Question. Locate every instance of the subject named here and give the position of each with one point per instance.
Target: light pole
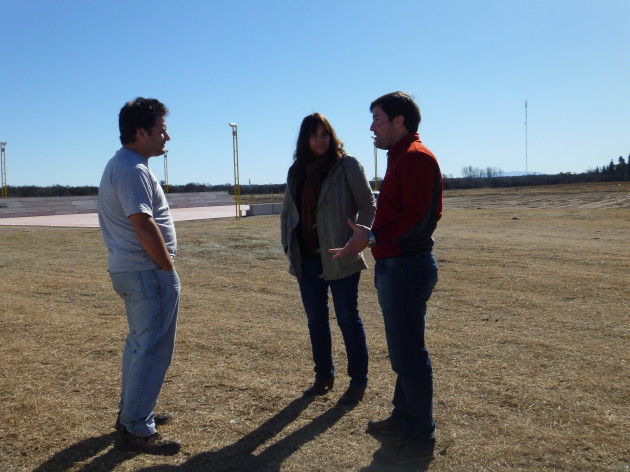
(3, 164)
(166, 171)
(375, 165)
(237, 183)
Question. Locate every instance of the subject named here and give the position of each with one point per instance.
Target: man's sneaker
(153, 444)
(159, 418)
(403, 452)
(387, 426)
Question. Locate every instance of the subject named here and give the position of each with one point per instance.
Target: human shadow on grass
(240, 457)
(413, 467)
(379, 467)
(85, 450)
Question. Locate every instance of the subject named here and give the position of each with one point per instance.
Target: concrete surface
(50, 206)
(90, 220)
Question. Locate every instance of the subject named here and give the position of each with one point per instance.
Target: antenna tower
(526, 166)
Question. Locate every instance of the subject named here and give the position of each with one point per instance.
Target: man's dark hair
(141, 113)
(399, 103)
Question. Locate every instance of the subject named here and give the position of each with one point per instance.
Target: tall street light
(375, 165)
(166, 171)
(3, 165)
(237, 182)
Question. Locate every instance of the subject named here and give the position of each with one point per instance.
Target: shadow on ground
(237, 457)
(86, 450)
(377, 467)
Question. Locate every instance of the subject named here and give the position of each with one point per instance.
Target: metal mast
(3, 164)
(166, 171)
(526, 164)
(237, 179)
(375, 166)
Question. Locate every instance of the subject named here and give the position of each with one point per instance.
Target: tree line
(87, 190)
(472, 177)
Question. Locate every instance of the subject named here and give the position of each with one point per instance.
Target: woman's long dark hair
(309, 126)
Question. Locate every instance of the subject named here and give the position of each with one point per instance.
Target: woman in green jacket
(325, 187)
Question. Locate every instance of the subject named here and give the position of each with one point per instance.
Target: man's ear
(141, 134)
(399, 121)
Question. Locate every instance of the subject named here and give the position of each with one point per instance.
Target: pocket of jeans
(168, 278)
(166, 274)
(129, 285)
(393, 265)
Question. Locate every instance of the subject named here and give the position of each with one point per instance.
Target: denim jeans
(404, 285)
(152, 301)
(345, 294)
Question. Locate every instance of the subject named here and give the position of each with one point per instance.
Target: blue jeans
(404, 284)
(345, 294)
(152, 301)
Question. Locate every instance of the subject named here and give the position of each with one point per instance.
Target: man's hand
(357, 243)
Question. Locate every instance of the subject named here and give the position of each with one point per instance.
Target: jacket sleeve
(284, 240)
(361, 191)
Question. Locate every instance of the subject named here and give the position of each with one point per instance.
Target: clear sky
(67, 67)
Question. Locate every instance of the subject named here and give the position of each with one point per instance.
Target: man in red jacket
(406, 271)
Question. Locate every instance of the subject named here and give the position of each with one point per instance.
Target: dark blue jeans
(345, 294)
(404, 285)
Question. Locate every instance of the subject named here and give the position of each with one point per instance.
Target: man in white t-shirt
(139, 233)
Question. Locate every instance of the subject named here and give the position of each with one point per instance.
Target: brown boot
(153, 444)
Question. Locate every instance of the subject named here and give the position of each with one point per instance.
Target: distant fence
(45, 206)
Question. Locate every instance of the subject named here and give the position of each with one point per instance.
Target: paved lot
(90, 220)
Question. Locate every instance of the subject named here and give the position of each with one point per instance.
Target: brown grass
(528, 331)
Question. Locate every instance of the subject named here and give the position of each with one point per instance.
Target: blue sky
(67, 66)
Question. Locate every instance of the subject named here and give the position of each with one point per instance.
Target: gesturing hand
(357, 243)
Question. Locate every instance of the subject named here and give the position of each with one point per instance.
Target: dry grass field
(528, 331)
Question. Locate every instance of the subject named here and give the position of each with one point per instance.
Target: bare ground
(528, 331)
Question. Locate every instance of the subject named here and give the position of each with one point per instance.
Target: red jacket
(410, 200)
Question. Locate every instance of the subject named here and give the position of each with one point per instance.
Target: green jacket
(345, 193)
